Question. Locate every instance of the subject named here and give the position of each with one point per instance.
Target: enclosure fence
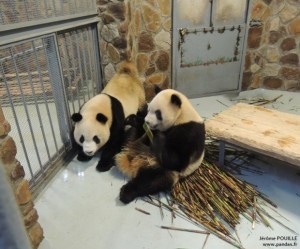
(45, 76)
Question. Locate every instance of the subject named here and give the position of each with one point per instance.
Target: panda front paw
(104, 166)
(158, 142)
(83, 157)
(127, 194)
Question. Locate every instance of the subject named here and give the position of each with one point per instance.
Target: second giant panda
(99, 125)
(176, 150)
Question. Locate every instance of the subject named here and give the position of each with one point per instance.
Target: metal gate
(208, 45)
(49, 66)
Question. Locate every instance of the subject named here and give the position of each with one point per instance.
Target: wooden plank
(259, 129)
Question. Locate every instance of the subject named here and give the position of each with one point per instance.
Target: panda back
(100, 103)
(127, 88)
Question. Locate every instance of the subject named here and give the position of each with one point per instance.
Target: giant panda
(176, 149)
(99, 125)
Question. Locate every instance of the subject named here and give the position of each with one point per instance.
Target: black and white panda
(176, 150)
(100, 122)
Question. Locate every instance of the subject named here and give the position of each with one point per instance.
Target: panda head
(164, 110)
(91, 131)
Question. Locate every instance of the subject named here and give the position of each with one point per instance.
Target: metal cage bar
(36, 103)
(15, 116)
(44, 80)
(49, 66)
(17, 13)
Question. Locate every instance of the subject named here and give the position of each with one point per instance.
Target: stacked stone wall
(15, 174)
(272, 57)
(137, 30)
(149, 36)
(112, 28)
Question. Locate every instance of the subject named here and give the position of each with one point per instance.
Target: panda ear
(101, 118)
(76, 117)
(157, 89)
(175, 100)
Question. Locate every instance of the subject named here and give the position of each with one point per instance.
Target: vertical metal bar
(26, 10)
(46, 8)
(74, 66)
(13, 7)
(221, 153)
(27, 112)
(70, 7)
(15, 114)
(45, 97)
(247, 9)
(211, 13)
(26, 109)
(55, 71)
(36, 104)
(97, 59)
(37, 9)
(54, 8)
(75, 4)
(85, 62)
(68, 69)
(90, 52)
(1, 17)
(245, 43)
(79, 62)
(62, 7)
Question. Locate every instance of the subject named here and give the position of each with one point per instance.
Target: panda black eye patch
(81, 139)
(158, 115)
(96, 139)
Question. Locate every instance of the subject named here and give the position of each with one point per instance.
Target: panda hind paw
(127, 195)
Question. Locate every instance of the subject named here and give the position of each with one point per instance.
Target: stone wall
(272, 58)
(112, 29)
(150, 41)
(137, 30)
(15, 174)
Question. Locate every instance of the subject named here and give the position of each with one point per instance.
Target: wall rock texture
(20, 186)
(140, 31)
(272, 58)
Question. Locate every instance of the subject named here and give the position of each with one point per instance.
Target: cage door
(208, 37)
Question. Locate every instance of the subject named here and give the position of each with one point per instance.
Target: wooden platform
(268, 132)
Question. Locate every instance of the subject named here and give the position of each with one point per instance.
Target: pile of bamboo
(214, 198)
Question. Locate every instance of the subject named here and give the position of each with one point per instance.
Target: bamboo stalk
(142, 211)
(205, 241)
(184, 230)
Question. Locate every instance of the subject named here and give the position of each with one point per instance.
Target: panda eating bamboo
(176, 149)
